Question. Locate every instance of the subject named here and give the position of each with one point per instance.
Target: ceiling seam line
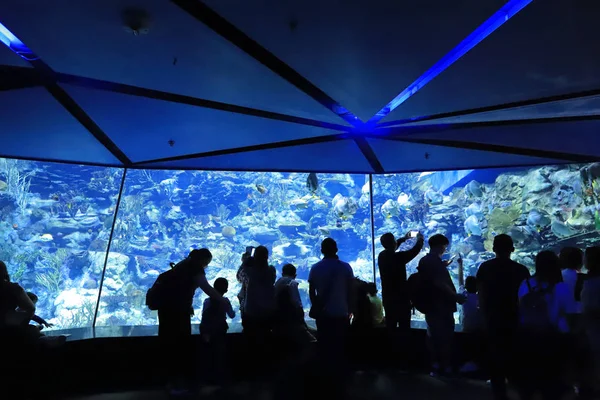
(120, 88)
(500, 107)
(221, 26)
(501, 149)
(247, 149)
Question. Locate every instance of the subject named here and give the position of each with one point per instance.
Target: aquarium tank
(541, 208)
(90, 255)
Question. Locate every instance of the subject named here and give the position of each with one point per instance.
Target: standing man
(330, 287)
(498, 282)
(396, 301)
(440, 316)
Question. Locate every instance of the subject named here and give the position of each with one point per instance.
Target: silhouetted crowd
(541, 333)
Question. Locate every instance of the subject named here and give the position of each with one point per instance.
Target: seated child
(471, 321)
(40, 321)
(376, 304)
(35, 331)
(213, 329)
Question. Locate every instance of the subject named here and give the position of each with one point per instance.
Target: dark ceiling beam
(548, 154)
(245, 149)
(137, 91)
(369, 154)
(392, 133)
(230, 32)
(59, 94)
(12, 78)
(499, 107)
(406, 130)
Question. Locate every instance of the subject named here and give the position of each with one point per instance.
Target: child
(213, 329)
(471, 321)
(40, 321)
(376, 305)
(35, 331)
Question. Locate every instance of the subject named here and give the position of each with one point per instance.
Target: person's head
(592, 260)
(261, 255)
(221, 285)
(4, 272)
(547, 267)
(503, 245)
(371, 289)
(329, 247)
(200, 258)
(33, 297)
(571, 258)
(289, 271)
(471, 284)
(438, 244)
(388, 241)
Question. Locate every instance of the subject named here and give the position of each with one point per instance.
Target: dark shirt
(259, 299)
(498, 281)
(178, 288)
(392, 270)
(9, 293)
(437, 274)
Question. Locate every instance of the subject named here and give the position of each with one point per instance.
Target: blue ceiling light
(508, 11)
(14, 44)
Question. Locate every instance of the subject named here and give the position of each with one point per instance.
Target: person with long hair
(259, 306)
(545, 301)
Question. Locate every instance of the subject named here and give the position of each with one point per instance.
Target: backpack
(419, 292)
(154, 295)
(534, 310)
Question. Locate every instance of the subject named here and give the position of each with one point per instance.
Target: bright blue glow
(509, 10)
(15, 45)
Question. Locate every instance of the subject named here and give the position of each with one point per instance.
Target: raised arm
(208, 289)
(409, 255)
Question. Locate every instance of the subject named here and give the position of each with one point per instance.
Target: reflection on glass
(164, 214)
(54, 230)
(540, 208)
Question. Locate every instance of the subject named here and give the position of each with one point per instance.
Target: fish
(538, 219)
(472, 226)
(404, 201)
(423, 175)
(474, 189)
(261, 189)
(344, 207)
(389, 209)
(312, 182)
(473, 209)
(434, 198)
(562, 230)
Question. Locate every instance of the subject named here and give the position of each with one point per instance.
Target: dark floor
(372, 386)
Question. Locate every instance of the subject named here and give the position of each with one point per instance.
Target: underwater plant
(17, 182)
(51, 265)
(78, 318)
(222, 213)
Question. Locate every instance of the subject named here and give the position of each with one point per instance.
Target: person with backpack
(394, 292)
(498, 282)
(172, 295)
(437, 286)
(544, 302)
